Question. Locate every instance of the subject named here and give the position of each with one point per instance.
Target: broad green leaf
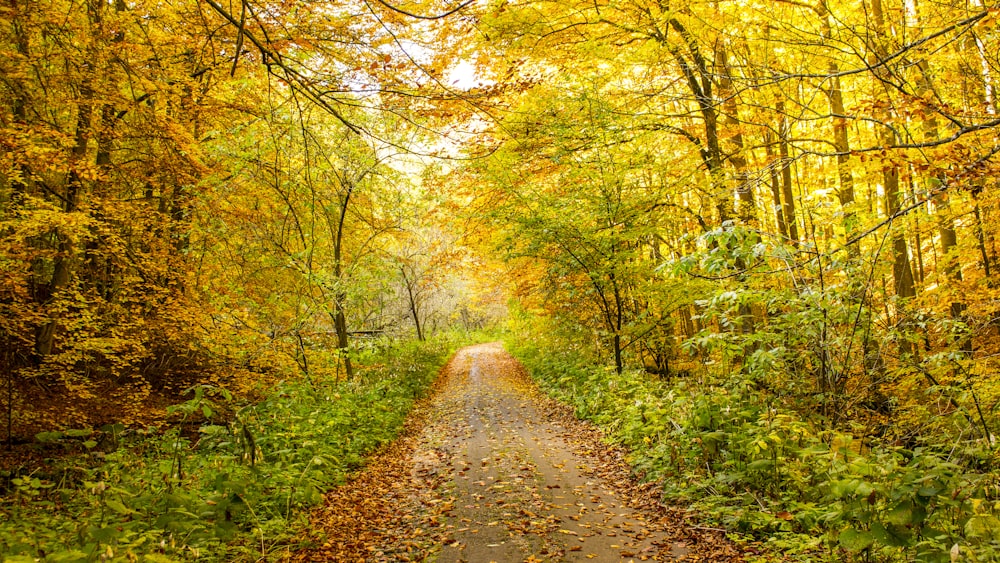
(117, 506)
(856, 540)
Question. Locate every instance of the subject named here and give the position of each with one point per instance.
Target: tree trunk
(773, 164)
(947, 233)
(340, 327)
(747, 205)
(19, 104)
(981, 243)
(788, 206)
(902, 274)
(841, 143)
(619, 366)
(63, 263)
(414, 308)
(699, 78)
(618, 325)
(340, 318)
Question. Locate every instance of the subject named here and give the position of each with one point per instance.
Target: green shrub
(213, 486)
(761, 470)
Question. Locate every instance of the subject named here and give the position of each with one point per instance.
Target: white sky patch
(463, 76)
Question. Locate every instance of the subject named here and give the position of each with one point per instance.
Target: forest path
(491, 470)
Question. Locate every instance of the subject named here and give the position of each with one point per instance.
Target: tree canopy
(798, 197)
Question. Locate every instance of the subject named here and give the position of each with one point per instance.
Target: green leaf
(901, 514)
(896, 536)
(842, 488)
(933, 533)
(714, 438)
(104, 535)
(928, 491)
(117, 506)
(982, 526)
(856, 540)
(761, 465)
(47, 437)
(864, 489)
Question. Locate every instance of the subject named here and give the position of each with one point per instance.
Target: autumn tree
(100, 164)
(833, 113)
(188, 192)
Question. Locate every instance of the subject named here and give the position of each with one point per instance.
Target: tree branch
(272, 57)
(418, 16)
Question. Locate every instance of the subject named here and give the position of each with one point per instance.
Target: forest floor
(490, 470)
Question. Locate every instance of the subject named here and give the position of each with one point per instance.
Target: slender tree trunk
(340, 327)
(903, 284)
(414, 308)
(913, 226)
(981, 243)
(700, 78)
(841, 143)
(19, 103)
(904, 287)
(340, 318)
(619, 366)
(618, 325)
(947, 233)
(747, 205)
(9, 364)
(901, 272)
(772, 166)
(949, 240)
(686, 314)
(788, 205)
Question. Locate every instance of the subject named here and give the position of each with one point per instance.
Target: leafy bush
(761, 470)
(213, 485)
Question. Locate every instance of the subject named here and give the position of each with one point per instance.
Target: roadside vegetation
(223, 480)
(770, 470)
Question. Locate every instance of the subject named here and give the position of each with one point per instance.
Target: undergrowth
(761, 470)
(227, 481)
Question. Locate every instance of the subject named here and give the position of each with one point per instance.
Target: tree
(189, 194)
(823, 105)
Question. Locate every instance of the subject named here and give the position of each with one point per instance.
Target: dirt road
(490, 470)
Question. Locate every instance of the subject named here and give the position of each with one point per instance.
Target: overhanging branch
(273, 58)
(418, 16)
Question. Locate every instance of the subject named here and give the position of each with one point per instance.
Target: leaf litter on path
(490, 470)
